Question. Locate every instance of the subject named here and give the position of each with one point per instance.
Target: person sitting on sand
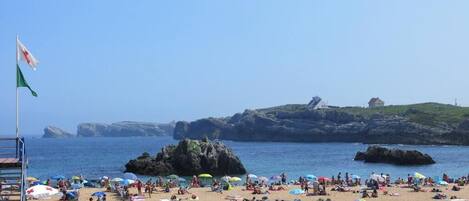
(374, 194)
(173, 198)
(166, 189)
(439, 196)
(455, 188)
(365, 194)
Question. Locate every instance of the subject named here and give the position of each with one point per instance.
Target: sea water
(96, 157)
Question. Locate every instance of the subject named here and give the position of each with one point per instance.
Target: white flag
(25, 55)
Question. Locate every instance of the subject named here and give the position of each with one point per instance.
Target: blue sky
(107, 61)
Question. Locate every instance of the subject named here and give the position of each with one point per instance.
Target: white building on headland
(316, 103)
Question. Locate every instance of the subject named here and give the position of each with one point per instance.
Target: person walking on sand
(139, 187)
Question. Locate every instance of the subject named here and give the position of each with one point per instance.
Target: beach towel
(137, 198)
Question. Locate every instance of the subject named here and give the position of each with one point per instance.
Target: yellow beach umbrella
(419, 176)
(234, 179)
(75, 178)
(32, 179)
(205, 175)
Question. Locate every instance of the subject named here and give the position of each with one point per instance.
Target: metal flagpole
(17, 114)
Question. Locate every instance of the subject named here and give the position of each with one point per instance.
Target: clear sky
(107, 61)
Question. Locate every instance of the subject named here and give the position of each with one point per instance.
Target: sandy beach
(204, 194)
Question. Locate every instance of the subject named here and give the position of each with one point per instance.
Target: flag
(21, 82)
(24, 54)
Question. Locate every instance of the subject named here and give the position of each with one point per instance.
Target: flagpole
(17, 94)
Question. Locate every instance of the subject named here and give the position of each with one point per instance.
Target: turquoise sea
(96, 157)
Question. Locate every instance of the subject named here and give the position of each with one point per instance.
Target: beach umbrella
(127, 182)
(75, 178)
(263, 179)
(98, 194)
(419, 176)
(58, 177)
(296, 191)
(36, 183)
(323, 179)
(205, 175)
(182, 180)
(226, 178)
(377, 177)
(252, 176)
(117, 179)
(32, 179)
(310, 177)
(355, 176)
(443, 183)
(173, 176)
(41, 192)
(104, 177)
(234, 179)
(276, 177)
(130, 175)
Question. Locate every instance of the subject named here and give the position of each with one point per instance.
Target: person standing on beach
(338, 178)
(283, 176)
(346, 178)
(139, 187)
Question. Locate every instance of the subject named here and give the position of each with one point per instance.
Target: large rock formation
(189, 157)
(428, 123)
(377, 154)
(54, 132)
(124, 129)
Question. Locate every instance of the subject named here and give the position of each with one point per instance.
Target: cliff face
(54, 132)
(428, 123)
(124, 129)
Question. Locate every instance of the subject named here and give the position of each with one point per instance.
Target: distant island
(119, 129)
(425, 123)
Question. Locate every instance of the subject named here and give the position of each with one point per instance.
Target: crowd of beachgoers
(251, 187)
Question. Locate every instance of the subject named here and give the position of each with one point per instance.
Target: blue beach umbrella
(252, 176)
(130, 175)
(98, 194)
(58, 177)
(311, 177)
(355, 176)
(127, 182)
(36, 183)
(276, 177)
(296, 191)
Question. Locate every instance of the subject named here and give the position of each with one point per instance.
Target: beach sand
(204, 194)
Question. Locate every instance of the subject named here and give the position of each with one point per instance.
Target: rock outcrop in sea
(427, 123)
(124, 129)
(377, 154)
(189, 157)
(54, 132)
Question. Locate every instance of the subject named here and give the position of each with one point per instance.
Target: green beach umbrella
(234, 179)
(173, 176)
(205, 175)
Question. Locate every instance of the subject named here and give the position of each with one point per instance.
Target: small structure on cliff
(316, 103)
(189, 157)
(377, 154)
(375, 102)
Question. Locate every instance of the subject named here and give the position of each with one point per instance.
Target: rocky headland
(377, 154)
(119, 129)
(426, 123)
(54, 132)
(189, 157)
